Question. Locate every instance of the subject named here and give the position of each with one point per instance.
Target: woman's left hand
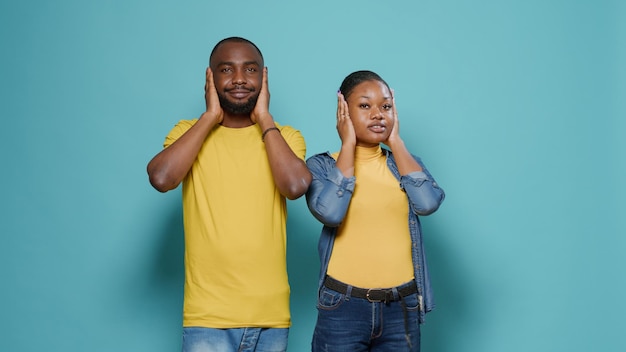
(394, 136)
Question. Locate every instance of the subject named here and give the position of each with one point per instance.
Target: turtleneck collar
(364, 154)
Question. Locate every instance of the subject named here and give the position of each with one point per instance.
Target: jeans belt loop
(395, 294)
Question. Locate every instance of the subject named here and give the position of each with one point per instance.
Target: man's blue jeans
(354, 324)
(197, 339)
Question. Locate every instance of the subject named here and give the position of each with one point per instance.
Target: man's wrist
(265, 121)
(209, 118)
(266, 131)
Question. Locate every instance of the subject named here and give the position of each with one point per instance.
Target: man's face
(371, 111)
(238, 74)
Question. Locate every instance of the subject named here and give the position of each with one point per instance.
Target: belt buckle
(367, 295)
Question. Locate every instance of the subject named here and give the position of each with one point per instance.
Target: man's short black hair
(234, 40)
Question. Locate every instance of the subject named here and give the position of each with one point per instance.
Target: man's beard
(238, 108)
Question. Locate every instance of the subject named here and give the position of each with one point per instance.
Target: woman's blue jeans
(355, 324)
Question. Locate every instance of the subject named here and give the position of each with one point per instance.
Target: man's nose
(239, 78)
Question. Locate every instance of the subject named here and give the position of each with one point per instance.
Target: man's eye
(226, 70)
(251, 69)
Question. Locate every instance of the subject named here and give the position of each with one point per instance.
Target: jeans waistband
(372, 294)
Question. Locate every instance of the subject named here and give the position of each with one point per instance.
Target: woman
(374, 288)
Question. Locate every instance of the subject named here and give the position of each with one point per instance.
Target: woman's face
(371, 110)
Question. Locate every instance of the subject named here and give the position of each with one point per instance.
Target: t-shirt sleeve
(295, 140)
(181, 127)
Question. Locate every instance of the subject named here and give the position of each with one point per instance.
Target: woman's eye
(364, 106)
(387, 107)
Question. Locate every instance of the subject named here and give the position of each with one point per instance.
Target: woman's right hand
(345, 128)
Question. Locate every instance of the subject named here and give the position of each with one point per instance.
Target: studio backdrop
(516, 107)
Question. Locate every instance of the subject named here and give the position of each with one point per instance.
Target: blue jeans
(349, 324)
(197, 339)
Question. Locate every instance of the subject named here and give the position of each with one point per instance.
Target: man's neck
(236, 121)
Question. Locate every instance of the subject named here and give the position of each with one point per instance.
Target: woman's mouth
(377, 128)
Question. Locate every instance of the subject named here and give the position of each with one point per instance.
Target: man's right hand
(213, 107)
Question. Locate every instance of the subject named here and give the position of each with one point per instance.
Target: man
(237, 167)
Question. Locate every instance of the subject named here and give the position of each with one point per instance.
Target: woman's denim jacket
(329, 196)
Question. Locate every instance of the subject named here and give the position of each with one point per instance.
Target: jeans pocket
(329, 299)
(412, 302)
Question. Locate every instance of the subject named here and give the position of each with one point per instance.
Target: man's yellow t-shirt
(235, 237)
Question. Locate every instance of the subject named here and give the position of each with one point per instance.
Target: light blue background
(517, 107)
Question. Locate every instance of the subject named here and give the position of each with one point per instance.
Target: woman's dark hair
(356, 78)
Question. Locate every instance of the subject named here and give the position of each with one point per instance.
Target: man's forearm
(168, 168)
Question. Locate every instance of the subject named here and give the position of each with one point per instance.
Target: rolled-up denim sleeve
(330, 191)
(425, 195)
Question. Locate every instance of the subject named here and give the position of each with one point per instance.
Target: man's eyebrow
(232, 63)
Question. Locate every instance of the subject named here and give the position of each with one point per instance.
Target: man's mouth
(239, 93)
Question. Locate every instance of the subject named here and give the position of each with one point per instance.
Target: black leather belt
(372, 294)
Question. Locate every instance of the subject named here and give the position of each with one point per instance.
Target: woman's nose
(377, 113)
